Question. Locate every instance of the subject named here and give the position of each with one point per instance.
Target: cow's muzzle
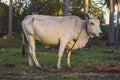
(100, 35)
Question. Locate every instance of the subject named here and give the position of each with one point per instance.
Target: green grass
(82, 61)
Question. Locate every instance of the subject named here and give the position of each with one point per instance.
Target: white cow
(62, 31)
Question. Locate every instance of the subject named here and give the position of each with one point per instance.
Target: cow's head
(93, 27)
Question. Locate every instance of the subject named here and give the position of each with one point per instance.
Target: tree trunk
(66, 9)
(89, 44)
(111, 24)
(118, 14)
(10, 18)
(86, 7)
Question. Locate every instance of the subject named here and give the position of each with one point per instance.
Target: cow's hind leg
(30, 59)
(32, 55)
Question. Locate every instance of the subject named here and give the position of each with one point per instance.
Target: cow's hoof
(31, 65)
(58, 67)
(69, 66)
(38, 65)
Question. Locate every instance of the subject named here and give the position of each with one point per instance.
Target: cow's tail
(23, 35)
(23, 43)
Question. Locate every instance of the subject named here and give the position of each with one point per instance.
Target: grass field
(99, 63)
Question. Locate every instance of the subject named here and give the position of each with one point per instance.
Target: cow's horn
(88, 17)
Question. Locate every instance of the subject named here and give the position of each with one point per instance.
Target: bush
(105, 31)
(3, 18)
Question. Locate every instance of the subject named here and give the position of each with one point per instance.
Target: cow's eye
(92, 23)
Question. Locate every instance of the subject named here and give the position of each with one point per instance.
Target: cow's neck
(85, 25)
(82, 40)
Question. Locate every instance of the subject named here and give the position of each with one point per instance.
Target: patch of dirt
(111, 68)
(113, 58)
(25, 75)
(112, 55)
(10, 41)
(9, 65)
(45, 74)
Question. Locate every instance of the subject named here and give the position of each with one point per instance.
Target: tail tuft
(23, 44)
(23, 50)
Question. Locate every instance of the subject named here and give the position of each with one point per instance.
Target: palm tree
(86, 7)
(111, 4)
(111, 24)
(10, 18)
(118, 14)
(66, 9)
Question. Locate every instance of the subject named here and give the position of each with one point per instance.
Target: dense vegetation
(105, 31)
(21, 8)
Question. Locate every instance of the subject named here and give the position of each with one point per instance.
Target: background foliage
(3, 17)
(21, 8)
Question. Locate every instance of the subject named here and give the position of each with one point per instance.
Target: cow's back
(48, 29)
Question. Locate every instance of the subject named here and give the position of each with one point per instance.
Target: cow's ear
(87, 16)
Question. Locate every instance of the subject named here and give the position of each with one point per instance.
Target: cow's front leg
(61, 51)
(68, 58)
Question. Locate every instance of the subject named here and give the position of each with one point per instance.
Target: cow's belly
(47, 40)
(49, 35)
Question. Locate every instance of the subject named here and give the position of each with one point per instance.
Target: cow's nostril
(101, 34)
